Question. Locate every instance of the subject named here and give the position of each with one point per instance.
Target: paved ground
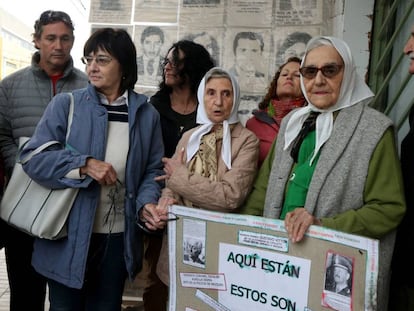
(4, 285)
(132, 295)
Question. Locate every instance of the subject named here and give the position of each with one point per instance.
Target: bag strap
(70, 115)
(49, 143)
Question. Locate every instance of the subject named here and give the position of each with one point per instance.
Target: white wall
(357, 26)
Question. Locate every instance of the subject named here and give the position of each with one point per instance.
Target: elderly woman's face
(322, 91)
(218, 99)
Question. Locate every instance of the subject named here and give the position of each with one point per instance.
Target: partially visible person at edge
(402, 276)
(2, 183)
(346, 174)
(185, 64)
(24, 96)
(215, 163)
(283, 95)
(114, 156)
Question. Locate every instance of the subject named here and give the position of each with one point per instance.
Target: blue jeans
(104, 279)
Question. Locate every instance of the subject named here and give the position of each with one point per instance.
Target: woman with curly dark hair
(283, 95)
(176, 101)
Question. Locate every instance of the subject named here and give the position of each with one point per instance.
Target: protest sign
(239, 262)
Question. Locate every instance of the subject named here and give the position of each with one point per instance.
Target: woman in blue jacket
(113, 154)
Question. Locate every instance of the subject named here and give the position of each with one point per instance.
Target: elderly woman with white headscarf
(335, 162)
(215, 163)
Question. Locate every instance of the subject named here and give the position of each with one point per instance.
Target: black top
(173, 124)
(402, 271)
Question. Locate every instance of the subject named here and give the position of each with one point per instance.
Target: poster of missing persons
(232, 262)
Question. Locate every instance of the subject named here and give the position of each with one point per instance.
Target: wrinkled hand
(153, 218)
(298, 222)
(164, 203)
(171, 164)
(101, 171)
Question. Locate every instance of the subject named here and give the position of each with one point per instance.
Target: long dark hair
(197, 61)
(271, 91)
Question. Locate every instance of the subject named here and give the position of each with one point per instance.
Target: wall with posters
(250, 38)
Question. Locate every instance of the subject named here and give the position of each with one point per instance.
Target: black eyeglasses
(174, 64)
(114, 197)
(329, 71)
(100, 60)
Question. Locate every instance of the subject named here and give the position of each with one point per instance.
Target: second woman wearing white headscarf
(215, 163)
(220, 182)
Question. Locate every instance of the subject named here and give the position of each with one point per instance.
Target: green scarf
(298, 185)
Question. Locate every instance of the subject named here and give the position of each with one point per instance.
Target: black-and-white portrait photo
(293, 45)
(194, 252)
(339, 274)
(113, 5)
(248, 103)
(208, 41)
(289, 5)
(248, 54)
(150, 66)
(201, 2)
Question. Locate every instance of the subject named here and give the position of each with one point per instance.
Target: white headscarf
(353, 91)
(207, 124)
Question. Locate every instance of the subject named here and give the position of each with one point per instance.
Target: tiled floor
(132, 297)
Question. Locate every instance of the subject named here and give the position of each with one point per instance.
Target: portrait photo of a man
(208, 41)
(339, 275)
(248, 54)
(293, 44)
(150, 61)
(112, 5)
(193, 252)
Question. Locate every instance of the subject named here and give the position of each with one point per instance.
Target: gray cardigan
(347, 154)
(24, 96)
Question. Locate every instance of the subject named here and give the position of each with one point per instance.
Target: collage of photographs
(156, 24)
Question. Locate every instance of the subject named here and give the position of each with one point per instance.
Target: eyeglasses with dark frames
(100, 60)
(173, 64)
(114, 196)
(329, 71)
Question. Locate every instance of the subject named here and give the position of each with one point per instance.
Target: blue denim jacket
(64, 260)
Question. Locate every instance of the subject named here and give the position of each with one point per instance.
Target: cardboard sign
(224, 261)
